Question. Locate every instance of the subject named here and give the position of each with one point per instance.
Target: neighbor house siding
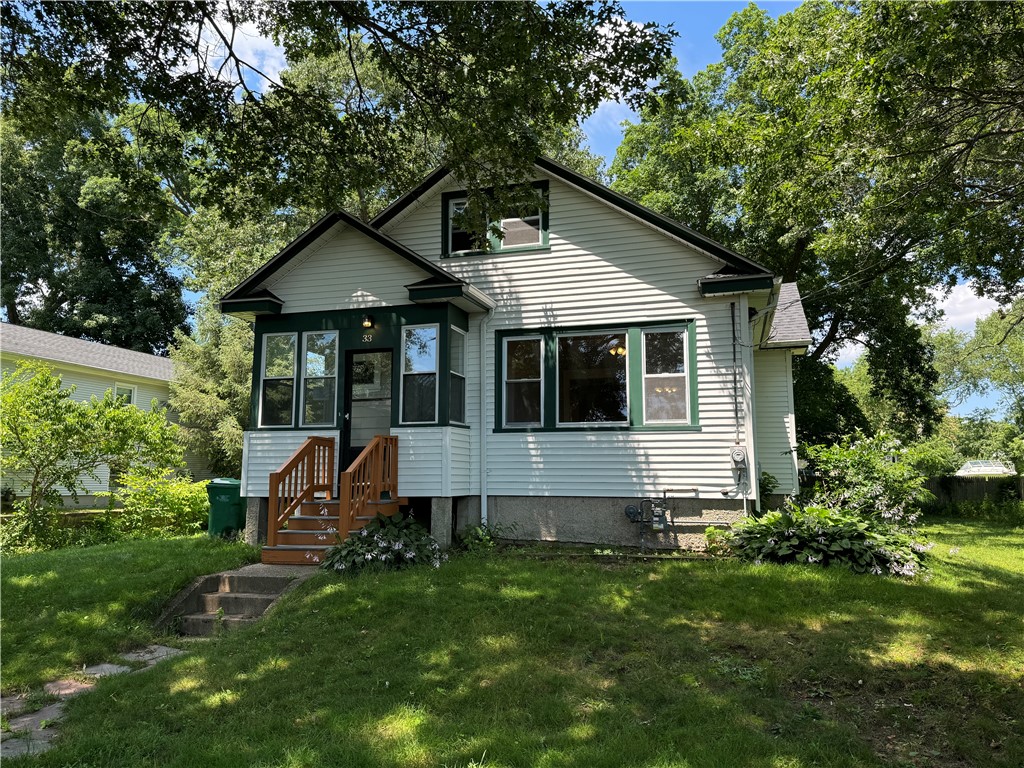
(345, 270)
(773, 418)
(602, 269)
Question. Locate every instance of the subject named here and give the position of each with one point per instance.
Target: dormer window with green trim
(520, 230)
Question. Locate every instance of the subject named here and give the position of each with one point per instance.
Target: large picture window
(277, 385)
(419, 374)
(524, 381)
(639, 377)
(319, 377)
(592, 380)
(665, 384)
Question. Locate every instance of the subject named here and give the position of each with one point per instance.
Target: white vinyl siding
(344, 270)
(265, 451)
(773, 418)
(603, 270)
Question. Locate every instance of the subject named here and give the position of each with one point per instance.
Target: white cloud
(603, 128)
(848, 354)
(259, 51)
(962, 307)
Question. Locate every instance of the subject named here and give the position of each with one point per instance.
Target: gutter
(483, 415)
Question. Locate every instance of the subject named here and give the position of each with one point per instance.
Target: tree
(82, 219)
(51, 442)
(487, 80)
(788, 151)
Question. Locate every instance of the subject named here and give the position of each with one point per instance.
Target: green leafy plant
(385, 543)
(156, 503)
(484, 538)
(872, 476)
(717, 541)
(819, 535)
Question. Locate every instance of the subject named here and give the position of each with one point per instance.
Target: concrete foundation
(467, 513)
(602, 521)
(441, 521)
(256, 521)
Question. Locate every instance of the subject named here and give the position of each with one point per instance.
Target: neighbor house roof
(788, 323)
(28, 342)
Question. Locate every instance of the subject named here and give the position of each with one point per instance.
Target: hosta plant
(385, 543)
(818, 535)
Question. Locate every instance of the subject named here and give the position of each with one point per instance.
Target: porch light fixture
(367, 321)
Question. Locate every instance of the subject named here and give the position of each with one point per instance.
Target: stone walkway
(32, 733)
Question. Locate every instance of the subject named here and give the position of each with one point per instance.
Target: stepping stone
(65, 688)
(102, 670)
(34, 743)
(12, 706)
(152, 654)
(33, 721)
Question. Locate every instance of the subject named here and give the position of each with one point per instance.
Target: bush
(996, 510)
(160, 504)
(385, 543)
(872, 476)
(816, 534)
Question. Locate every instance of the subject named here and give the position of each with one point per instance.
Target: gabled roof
(789, 328)
(737, 264)
(249, 289)
(28, 342)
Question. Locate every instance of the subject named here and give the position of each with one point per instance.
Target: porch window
(419, 374)
(319, 377)
(277, 386)
(592, 379)
(457, 391)
(524, 381)
(665, 382)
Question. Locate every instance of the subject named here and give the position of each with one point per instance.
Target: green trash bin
(227, 508)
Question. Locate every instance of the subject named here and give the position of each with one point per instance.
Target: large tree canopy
(869, 152)
(487, 81)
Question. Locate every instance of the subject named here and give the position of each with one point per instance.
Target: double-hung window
(520, 229)
(319, 377)
(419, 374)
(457, 386)
(592, 379)
(666, 387)
(125, 393)
(459, 238)
(524, 381)
(277, 383)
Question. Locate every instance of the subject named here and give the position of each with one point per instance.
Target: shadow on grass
(500, 662)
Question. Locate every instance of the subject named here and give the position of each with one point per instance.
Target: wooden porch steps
(307, 537)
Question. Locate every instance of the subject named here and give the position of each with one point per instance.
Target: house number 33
(367, 338)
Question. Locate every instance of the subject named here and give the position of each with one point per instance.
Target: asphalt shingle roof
(18, 340)
(789, 325)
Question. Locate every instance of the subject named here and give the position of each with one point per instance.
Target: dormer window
(521, 230)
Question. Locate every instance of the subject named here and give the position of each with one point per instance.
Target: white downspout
(483, 415)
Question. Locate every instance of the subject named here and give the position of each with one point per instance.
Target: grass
(504, 661)
(67, 608)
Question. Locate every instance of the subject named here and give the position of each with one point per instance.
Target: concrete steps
(224, 601)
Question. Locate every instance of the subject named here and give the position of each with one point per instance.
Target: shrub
(816, 534)
(484, 538)
(872, 476)
(996, 510)
(160, 504)
(385, 543)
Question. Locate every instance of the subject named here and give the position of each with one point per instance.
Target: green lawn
(505, 661)
(72, 607)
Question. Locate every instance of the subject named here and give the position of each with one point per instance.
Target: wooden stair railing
(306, 473)
(371, 478)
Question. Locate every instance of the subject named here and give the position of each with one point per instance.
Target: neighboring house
(598, 355)
(94, 368)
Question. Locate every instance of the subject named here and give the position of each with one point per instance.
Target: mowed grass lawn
(507, 661)
(68, 608)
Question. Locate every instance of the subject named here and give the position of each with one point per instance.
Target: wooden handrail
(373, 476)
(307, 472)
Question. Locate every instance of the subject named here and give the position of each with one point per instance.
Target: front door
(367, 401)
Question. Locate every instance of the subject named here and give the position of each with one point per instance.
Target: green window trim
(495, 244)
(634, 335)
